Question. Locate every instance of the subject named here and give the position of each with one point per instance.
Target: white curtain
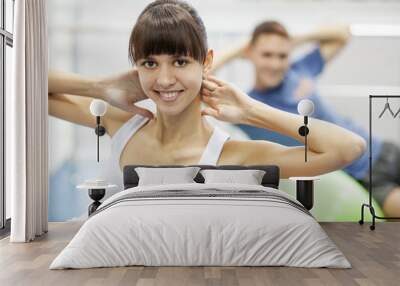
(26, 119)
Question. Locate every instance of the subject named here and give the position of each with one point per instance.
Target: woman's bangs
(167, 38)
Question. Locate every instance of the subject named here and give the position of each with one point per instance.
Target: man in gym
(282, 84)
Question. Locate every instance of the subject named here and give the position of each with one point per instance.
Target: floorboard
(374, 255)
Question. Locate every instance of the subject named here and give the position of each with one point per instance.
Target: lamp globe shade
(305, 107)
(98, 107)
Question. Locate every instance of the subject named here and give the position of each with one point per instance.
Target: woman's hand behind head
(123, 91)
(224, 101)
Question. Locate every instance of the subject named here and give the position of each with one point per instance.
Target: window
(6, 44)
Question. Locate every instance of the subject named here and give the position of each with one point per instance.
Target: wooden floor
(374, 255)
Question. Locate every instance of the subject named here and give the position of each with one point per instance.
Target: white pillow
(249, 177)
(162, 176)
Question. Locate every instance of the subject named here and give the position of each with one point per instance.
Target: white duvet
(190, 230)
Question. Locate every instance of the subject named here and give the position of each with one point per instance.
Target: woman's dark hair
(168, 27)
(269, 27)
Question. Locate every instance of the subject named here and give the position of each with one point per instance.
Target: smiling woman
(172, 82)
(168, 45)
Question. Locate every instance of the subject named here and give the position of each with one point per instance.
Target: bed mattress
(201, 225)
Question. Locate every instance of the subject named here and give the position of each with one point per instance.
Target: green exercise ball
(337, 197)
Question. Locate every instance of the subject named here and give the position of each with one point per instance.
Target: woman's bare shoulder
(115, 118)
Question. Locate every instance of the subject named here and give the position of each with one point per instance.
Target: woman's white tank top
(112, 172)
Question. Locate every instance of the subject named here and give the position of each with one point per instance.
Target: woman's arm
(76, 109)
(324, 137)
(69, 83)
(331, 147)
(70, 96)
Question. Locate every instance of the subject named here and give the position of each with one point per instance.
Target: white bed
(222, 225)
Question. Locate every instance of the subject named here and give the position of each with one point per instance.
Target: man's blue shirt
(301, 78)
